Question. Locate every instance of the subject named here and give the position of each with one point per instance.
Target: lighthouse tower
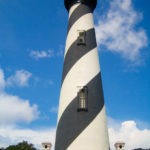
(81, 118)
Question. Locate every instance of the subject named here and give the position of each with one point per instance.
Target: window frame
(83, 99)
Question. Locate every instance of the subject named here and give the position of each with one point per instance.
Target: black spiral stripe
(75, 52)
(71, 123)
(78, 13)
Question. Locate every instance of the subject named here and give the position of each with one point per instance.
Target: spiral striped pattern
(81, 130)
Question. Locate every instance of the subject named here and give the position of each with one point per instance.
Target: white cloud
(117, 31)
(41, 54)
(129, 133)
(13, 135)
(126, 131)
(36, 54)
(21, 78)
(14, 109)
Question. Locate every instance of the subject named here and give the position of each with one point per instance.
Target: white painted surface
(83, 23)
(79, 75)
(72, 9)
(94, 137)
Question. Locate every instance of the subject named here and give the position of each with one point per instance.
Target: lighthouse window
(45, 146)
(81, 37)
(83, 99)
(120, 146)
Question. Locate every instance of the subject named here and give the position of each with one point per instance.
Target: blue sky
(32, 42)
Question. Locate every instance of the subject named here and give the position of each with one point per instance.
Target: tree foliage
(21, 146)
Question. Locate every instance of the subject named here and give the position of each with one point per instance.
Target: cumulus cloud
(126, 131)
(14, 109)
(129, 133)
(13, 135)
(41, 54)
(20, 78)
(118, 33)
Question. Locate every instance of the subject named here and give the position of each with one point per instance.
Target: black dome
(91, 3)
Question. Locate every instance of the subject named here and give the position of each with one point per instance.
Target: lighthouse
(81, 123)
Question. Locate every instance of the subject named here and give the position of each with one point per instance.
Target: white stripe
(80, 74)
(83, 23)
(94, 137)
(72, 9)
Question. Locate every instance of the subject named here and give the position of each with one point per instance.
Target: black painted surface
(72, 122)
(90, 3)
(78, 12)
(76, 51)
